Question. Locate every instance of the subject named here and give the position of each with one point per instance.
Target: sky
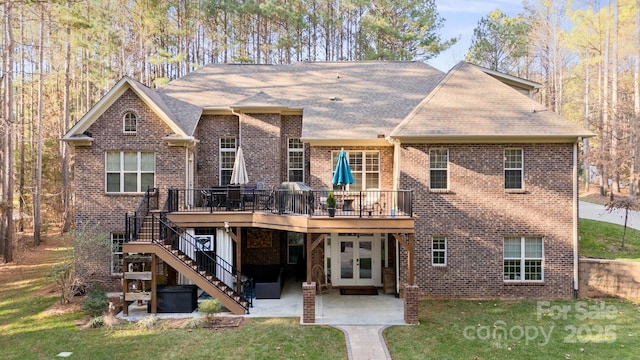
(461, 17)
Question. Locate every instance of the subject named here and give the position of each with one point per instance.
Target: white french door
(355, 260)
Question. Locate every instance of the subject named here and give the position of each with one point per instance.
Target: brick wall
(264, 144)
(476, 214)
(211, 129)
(106, 212)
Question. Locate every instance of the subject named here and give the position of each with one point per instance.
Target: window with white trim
(130, 123)
(513, 169)
(295, 247)
(296, 160)
(365, 168)
(439, 169)
(227, 158)
(523, 258)
(439, 251)
(129, 171)
(117, 239)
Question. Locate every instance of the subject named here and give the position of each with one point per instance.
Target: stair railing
(164, 231)
(133, 224)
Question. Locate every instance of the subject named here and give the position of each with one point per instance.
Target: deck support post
(308, 302)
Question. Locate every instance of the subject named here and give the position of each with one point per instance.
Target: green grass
(602, 240)
(463, 329)
(27, 332)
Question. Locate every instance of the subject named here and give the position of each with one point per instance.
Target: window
(296, 160)
(295, 247)
(523, 258)
(439, 251)
(438, 168)
(227, 158)
(117, 239)
(130, 123)
(513, 168)
(365, 168)
(130, 171)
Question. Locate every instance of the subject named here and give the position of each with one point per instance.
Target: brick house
(464, 186)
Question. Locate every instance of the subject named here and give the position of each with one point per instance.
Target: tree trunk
(38, 185)
(64, 151)
(6, 227)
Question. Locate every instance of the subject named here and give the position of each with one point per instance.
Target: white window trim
(226, 150)
(124, 123)
(116, 253)
(522, 259)
(364, 172)
(447, 188)
(122, 172)
(521, 169)
(289, 152)
(434, 251)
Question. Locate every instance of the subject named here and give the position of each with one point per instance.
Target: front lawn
(556, 329)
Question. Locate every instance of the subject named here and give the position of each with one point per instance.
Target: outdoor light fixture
(226, 226)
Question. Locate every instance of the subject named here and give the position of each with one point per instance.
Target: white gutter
(575, 219)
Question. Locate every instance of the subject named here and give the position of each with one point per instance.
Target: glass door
(357, 261)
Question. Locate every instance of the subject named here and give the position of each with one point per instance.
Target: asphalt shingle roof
(470, 103)
(340, 100)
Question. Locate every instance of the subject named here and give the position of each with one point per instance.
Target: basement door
(355, 259)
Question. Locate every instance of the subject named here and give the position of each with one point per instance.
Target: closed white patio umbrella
(239, 174)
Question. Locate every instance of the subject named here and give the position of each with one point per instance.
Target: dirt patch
(223, 322)
(58, 308)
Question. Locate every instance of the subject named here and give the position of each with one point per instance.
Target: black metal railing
(148, 202)
(365, 203)
(159, 229)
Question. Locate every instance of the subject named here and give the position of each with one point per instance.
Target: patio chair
(371, 202)
(322, 282)
(266, 201)
(234, 198)
(248, 192)
(322, 198)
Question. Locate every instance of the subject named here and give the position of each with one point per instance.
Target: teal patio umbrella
(342, 175)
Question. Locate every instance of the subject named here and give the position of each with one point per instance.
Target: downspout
(233, 111)
(396, 184)
(575, 220)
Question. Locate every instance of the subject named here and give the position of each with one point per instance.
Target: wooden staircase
(148, 241)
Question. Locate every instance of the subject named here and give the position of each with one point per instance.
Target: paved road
(593, 211)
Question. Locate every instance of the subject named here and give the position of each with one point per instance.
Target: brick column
(308, 302)
(411, 313)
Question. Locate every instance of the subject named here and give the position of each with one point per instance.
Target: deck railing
(365, 203)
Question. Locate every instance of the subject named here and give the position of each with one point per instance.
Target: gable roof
(177, 114)
(470, 105)
(340, 100)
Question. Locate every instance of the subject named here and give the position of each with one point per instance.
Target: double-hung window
(365, 168)
(439, 251)
(227, 158)
(117, 239)
(296, 160)
(523, 258)
(130, 171)
(439, 169)
(513, 169)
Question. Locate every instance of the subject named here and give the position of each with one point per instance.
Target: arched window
(130, 123)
